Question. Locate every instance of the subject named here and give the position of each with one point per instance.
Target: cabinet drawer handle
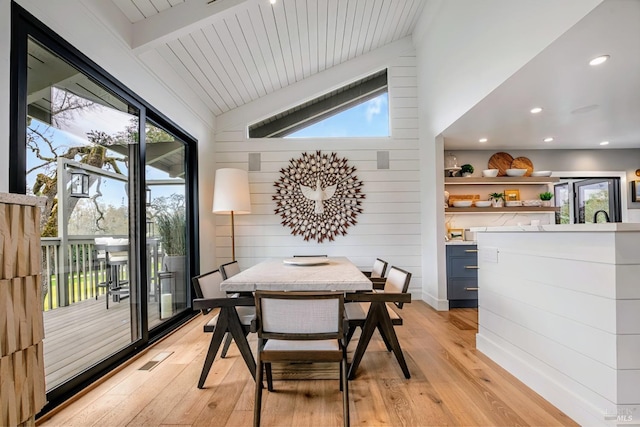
(471, 267)
(471, 250)
(470, 289)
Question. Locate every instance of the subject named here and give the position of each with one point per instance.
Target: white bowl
(513, 203)
(541, 173)
(483, 203)
(462, 203)
(516, 172)
(492, 173)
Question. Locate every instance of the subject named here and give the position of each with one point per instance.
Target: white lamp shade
(231, 192)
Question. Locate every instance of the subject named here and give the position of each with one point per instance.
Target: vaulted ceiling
(232, 52)
(582, 106)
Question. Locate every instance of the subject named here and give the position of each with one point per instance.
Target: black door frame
(23, 26)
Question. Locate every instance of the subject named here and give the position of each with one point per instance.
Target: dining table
(320, 274)
(300, 274)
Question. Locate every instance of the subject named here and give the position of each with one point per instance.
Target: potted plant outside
(497, 199)
(546, 198)
(172, 227)
(466, 170)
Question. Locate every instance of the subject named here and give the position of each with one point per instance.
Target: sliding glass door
(120, 207)
(79, 139)
(166, 224)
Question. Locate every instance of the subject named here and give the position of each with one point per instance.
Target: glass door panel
(166, 224)
(599, 196)
(80, 140)
(562, 200)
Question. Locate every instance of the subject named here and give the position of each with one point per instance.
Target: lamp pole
(233, 239)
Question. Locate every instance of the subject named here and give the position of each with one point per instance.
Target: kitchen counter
(564, 228)
(559, 308)
(460, 242)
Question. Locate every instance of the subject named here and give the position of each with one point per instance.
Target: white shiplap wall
(389, 226)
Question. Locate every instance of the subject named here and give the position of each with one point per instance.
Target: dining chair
(207, 286)
(113, 255)
(229, 269)
(378, 310)
(299, 327)
(233, 320)
(377, 271)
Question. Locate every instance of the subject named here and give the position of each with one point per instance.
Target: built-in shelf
(500, 180)
(519, 209)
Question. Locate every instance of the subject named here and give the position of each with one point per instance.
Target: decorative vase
(497, 203)
(546, 203)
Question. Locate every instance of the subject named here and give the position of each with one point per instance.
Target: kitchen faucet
(606, 216)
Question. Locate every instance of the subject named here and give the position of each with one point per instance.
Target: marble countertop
(21, 199)
(461, 242)
(338, 274)
(563, 228)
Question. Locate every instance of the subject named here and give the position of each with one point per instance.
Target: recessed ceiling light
(536, 110)
(549, 139)
(483, 140)
(604, 143)
(272, 1)
(598, 60)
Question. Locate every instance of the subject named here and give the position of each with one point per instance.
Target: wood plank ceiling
(253, 48)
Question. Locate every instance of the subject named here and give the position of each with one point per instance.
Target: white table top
(338, 274)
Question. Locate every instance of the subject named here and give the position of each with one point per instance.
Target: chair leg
(350, 332)
(269, 377)
(386, 325)
(385, 339)
(258, 403)
(345, 389)
(227, 344)
(216, 340)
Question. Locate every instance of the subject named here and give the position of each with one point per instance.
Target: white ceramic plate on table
(305, 261)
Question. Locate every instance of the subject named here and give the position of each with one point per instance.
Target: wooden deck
(80, 335)
(451, 384)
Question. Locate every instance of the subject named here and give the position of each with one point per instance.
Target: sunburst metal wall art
(318, 196)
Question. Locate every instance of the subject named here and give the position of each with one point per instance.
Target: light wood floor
(79, 335)
(451, 384)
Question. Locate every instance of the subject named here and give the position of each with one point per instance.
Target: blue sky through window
(369, 119)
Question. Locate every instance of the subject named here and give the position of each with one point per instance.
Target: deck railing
(83, 270)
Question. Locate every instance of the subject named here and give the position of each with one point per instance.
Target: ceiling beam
(180, 20)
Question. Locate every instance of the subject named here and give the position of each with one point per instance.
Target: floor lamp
(231, 196)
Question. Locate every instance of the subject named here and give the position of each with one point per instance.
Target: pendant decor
(318, 196)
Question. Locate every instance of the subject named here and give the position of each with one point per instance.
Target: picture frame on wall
(635, 191)
(456, 234)
(511, 195)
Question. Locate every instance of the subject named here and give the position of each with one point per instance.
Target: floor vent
(155, 361)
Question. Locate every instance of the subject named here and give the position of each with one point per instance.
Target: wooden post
(22, 389)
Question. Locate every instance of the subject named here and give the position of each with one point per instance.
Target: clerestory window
(360, 109)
